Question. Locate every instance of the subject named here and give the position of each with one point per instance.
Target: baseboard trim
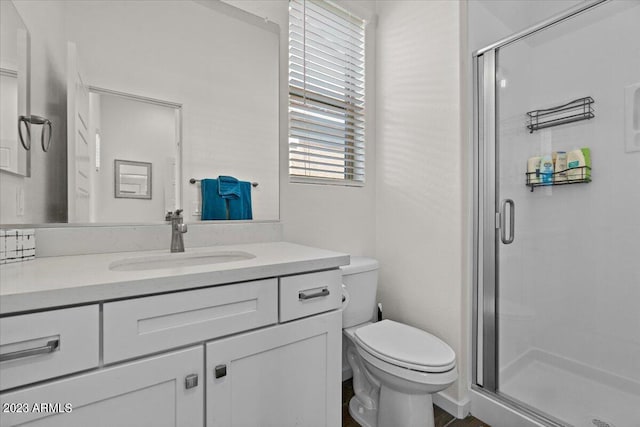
(459, 409)
(497, 414)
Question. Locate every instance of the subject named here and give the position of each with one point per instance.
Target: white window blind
(326, 93)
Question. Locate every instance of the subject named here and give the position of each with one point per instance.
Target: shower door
(558, 265)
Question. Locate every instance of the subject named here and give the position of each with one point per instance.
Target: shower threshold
(568, 390)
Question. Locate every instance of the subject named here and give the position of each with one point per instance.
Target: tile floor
(442, 418)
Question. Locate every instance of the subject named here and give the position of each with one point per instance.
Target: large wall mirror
(187, 86)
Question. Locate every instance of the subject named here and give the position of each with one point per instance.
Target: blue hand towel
(240, 207)
(213, 206)
(228, 187)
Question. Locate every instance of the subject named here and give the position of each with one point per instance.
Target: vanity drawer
(146, 325)
(35, 347)
(307, 294)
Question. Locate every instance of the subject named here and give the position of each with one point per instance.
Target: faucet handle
(173, 215)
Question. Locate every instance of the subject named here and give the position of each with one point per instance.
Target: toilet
(396, 367)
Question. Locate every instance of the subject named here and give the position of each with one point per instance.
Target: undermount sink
(178, 260)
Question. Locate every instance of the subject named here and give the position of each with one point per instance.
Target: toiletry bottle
(586, 152)
(533, 170)
(560, 167)
(546, 169)
(577, 164)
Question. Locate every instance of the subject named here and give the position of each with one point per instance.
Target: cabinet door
(284, 376)
(151, 392)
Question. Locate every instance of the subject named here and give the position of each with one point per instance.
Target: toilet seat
(405, 346)
(410, 375)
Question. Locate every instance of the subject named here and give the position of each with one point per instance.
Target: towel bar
(193, 181)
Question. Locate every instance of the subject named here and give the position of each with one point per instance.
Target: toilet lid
(406, 346)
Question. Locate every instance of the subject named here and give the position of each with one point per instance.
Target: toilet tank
(361, 280)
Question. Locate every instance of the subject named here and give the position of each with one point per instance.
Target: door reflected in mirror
(14, 89)
(134, 153)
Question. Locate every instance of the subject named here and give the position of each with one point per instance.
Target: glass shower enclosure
(557, 218)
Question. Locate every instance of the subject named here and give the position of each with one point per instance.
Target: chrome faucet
(177, 230)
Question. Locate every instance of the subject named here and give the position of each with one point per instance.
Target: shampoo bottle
(577, 164)
(560, 167)
(586, 152)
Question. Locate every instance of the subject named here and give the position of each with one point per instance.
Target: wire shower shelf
(574, 111)
(577, 175)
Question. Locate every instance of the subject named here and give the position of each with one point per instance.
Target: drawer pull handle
(305, 296)
(50, 347)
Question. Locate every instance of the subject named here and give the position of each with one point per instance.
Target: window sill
(320, 181)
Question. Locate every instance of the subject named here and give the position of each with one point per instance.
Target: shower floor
(572, 392)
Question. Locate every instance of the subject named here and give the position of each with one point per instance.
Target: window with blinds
(326, 93)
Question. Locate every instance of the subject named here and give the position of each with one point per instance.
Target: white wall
(141, 132)
(420, 206)
(45, 191)
(326, 216)
(493, 20)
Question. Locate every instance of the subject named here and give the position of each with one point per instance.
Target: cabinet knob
(220, 371)
(191, 381)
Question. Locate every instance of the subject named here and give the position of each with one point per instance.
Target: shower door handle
(503, 221)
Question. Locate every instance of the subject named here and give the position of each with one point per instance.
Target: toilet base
(406, 410)
(363, 416)
(398, 410)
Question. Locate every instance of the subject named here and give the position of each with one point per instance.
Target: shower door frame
(486, 217)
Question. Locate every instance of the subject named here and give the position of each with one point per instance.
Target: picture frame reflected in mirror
(132, 179)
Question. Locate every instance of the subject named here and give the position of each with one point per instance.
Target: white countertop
(68, 280)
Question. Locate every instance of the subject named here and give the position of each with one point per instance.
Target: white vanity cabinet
(263, 352)
(151, 392)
